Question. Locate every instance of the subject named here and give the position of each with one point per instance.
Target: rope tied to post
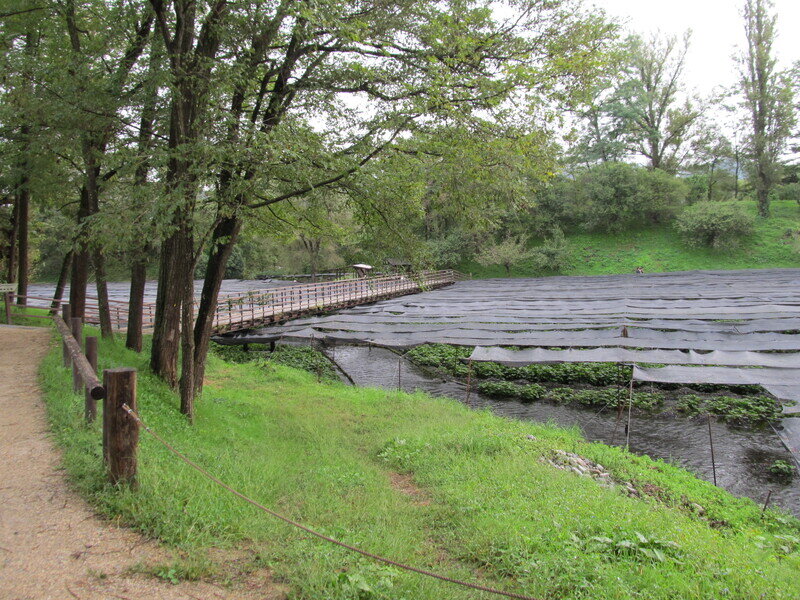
(134, 415)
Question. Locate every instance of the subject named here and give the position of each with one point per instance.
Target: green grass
(21, 315)
(486, 508)
(660, 249)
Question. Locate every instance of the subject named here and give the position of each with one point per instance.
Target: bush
(613, 196)
(714, 224)
(787, 191)
(508, 252)
(553, 254)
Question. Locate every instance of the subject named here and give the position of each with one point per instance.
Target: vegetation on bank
(774, 243)
(598, 385)
(420, 479)
(299, 357)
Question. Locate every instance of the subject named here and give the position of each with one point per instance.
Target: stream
(742, 456)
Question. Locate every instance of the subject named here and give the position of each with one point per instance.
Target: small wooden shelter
(362, 270)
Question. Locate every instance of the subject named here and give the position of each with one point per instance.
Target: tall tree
(712, 157)
(657, 122)
(98, 70)
(768, 97)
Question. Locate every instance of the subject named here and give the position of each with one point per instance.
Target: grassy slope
(487, 509)
(661, 249)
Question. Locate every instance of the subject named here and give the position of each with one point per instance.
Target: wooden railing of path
(117, 391)
(262, 307)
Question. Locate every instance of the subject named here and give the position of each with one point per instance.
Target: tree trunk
(104, 311)
(655, 154)
(11, 273)
(187, 388)
(61, 283)
(22, 222)
(166, 329)
(223, 239)
(176, 250)
(762, 187)
(133, 339)
(315, 247)
(711, 180)
(80, 263)
(78, 280)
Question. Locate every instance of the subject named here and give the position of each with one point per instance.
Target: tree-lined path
(52, 546)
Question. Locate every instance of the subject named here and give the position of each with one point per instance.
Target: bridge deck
(261, 307)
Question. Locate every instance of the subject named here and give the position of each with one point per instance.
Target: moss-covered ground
(419, 479)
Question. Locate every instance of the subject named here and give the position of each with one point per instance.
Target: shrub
(508, 252)
(714, 224)
(553, 254)
(613, 196)
(787, 191)
(782, 469)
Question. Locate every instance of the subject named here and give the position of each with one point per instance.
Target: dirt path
(52, 546)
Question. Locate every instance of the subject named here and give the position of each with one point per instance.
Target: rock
(698, 509)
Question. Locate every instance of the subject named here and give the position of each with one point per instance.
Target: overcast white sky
(717, 28)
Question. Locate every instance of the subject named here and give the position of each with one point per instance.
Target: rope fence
(466, 584)
(121, 424)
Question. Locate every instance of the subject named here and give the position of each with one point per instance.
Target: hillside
(775, 243)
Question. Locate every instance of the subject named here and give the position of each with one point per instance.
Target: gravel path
(52, 546)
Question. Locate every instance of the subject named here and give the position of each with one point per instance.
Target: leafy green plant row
(451, 360)
(590, 397)
(751, 410)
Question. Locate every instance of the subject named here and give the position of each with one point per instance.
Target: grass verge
(422, 480)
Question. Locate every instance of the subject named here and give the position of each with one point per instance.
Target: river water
(742, 457)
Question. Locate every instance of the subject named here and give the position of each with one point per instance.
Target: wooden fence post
(90, 404)
(120, 430)
(77, 333)
(65, 314)
(7, 297)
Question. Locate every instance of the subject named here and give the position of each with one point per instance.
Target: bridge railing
(259, 306)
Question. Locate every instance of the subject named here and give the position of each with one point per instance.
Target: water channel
(742, 456)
